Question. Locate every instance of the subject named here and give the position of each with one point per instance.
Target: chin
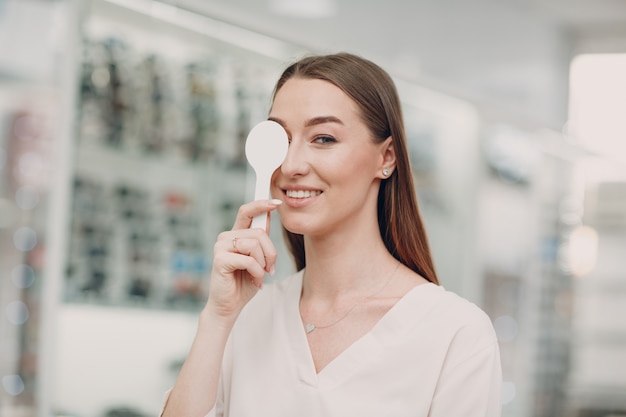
(298, 226)
(297, 229)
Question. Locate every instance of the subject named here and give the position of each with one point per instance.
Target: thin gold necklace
(309, 327)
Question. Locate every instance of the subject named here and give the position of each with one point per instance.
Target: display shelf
(140, 228)
(28, 138)
(163, 114)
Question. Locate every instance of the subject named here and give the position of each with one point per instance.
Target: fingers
(248, 211)
(249, 250)
(245, 253)
(260, 248)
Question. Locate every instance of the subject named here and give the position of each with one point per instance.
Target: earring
(386, 172)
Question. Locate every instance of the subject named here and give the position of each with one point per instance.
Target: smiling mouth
(302, 193)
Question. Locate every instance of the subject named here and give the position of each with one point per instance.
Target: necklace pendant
(309, 327)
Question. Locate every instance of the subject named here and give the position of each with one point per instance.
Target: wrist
(214, 317)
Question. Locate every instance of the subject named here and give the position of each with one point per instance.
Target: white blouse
(433, 354)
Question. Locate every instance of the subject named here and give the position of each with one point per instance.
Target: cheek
(349, 166)
(275, 175)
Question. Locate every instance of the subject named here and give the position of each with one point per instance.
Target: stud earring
(386, 172)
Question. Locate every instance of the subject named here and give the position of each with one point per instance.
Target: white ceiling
(511, 57)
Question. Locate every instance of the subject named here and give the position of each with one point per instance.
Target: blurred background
(122, 125)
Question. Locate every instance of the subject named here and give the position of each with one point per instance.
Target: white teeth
(302, 193)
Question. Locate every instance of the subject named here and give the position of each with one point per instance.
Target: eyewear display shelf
(162, 119)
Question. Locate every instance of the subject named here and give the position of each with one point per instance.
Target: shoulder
(462, 322)
(445, 307)
(452, 306)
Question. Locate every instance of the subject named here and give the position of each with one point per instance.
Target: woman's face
(329, 180)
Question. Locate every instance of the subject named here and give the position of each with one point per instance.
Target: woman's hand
(241, 258)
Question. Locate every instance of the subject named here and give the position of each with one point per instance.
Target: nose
(296, 162)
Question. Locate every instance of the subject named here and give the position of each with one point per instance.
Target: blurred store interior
(122, 124)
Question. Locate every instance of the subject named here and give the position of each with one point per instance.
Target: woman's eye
(324, 139)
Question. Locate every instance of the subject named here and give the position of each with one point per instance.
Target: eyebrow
(313, 121)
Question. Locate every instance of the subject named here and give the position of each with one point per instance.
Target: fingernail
(276, 202)
(272, 270)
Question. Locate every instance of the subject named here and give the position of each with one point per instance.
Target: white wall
(117, 356)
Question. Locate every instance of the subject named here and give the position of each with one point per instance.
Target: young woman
(363, 328)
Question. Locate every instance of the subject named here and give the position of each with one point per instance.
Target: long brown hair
(374, 92)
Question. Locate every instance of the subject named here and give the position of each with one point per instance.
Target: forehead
(311, 98)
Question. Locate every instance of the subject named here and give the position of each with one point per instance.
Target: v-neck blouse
(433, 354)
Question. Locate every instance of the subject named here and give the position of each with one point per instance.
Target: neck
(345, 267)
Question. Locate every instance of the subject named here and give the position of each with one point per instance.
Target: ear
(387, 158)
